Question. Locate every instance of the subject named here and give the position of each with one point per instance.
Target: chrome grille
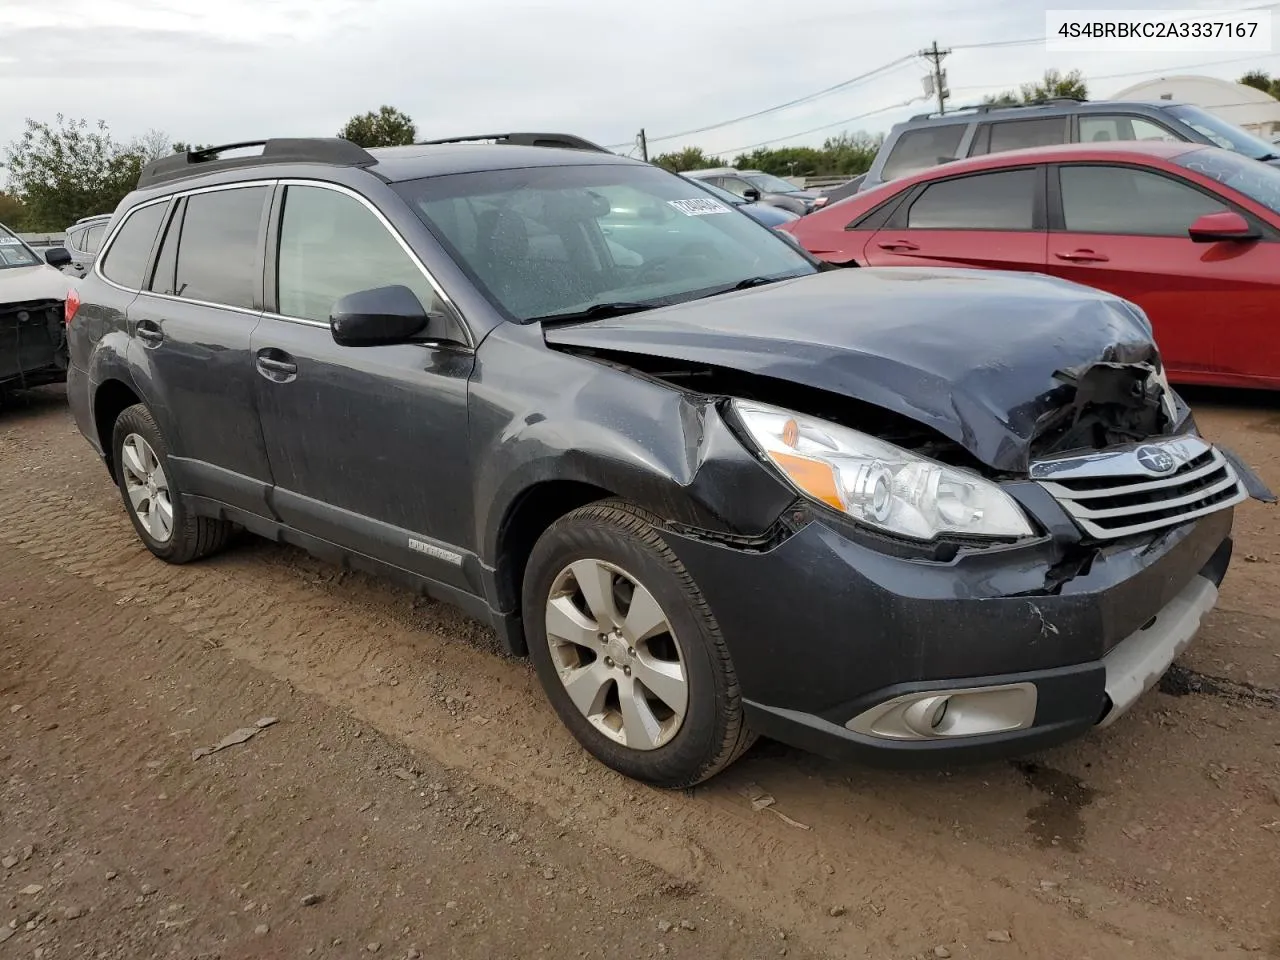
(1143, 487)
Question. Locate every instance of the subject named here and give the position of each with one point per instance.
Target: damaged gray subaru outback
(711, 489)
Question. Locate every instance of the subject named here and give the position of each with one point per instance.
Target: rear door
(191, 327)
(1123, 229)
(993, 220)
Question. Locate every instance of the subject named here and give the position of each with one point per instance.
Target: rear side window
(332, 245)
(1124, 200)
(92, 238)
(126, 258)
(1019, 135)
(989, 201)
(917, 150)
(217, 255)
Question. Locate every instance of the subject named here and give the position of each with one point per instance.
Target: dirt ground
(416, 797)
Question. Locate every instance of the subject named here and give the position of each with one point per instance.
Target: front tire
(151, 495)
(628, 651)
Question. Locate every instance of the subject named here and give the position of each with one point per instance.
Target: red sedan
(1189, 233)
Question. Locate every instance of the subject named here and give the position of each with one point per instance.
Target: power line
(825, 126)
(807, 98)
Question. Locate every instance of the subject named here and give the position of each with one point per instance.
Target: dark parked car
(33, 345)
(770, 216)
(715, 493)
(83, 240)
(929, 139)
(1189, 233)
(760, 187)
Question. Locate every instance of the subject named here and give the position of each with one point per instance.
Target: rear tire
(628, 651)
(151, 495)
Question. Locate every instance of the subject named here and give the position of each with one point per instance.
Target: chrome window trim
(105, 249)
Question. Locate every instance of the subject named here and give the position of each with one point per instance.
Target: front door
(368, 445)
(1212, 305)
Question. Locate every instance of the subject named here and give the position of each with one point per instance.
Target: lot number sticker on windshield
(9, 241)
(700, 207)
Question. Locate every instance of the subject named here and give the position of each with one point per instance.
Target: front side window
(126, 258)
(735, 185)
(332, 245)
(1126, 200)
(15, 253)
(217, 253)
(1106, 128)
(1259, 182)
(917, 150)
(989, 201)
(767, 183)
(548, 241)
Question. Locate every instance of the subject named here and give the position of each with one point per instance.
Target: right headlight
(877, 483)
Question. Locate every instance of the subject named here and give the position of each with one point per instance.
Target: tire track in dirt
(905, 882)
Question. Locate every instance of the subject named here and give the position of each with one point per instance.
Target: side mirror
(751, 195)
(57, 257)
(1215, 227)
(372, 318)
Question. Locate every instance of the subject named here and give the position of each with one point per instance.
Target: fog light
(947, 714)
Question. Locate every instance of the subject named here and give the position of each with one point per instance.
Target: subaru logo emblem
(1156, 459)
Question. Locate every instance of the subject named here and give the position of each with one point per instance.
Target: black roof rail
(330, 150)
(525, 140)
(988, 107)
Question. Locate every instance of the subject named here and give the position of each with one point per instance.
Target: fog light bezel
(950, 713)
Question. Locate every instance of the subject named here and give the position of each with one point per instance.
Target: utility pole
(644, 147)
(934, 56)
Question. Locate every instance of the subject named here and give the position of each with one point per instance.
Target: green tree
(69, 169)
(690, 158)
(1052, 84)
(386, 128)
(181, 146)
(13, 213)
(1261, 80)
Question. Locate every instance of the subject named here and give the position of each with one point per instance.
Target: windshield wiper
(750, 282)
(598, 311)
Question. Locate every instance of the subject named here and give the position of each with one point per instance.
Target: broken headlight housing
(877, 483)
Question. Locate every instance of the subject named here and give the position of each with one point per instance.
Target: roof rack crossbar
(329, 150)
(525, 140)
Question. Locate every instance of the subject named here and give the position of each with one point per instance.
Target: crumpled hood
(39, 282)
(971, 354)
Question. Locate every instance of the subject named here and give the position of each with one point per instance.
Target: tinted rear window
(1019, 135)
(989, 201)
(218, 247)
(917, 150)
(126, 258)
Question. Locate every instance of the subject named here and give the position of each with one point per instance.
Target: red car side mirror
(1215, 227)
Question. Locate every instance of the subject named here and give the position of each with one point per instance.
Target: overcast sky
(217, 71)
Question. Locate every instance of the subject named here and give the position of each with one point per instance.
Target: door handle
(149, 333)
(897, 245)
(277, 366)
(1083, 256)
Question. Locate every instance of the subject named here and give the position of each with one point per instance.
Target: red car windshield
(1257, 181)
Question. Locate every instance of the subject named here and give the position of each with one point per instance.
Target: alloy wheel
(617, 655)
(148, 487)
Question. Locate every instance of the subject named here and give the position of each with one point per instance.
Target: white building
(1255, 111)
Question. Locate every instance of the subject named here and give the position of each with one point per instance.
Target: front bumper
(830, 638)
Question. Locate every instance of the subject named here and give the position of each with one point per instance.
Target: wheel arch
(110, 399)
(527, 518)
